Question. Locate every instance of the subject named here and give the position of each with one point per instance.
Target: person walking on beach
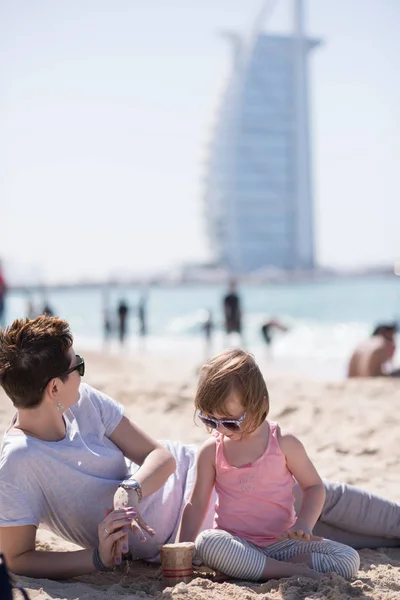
(3, 290)
(122, 312)
(370, 357)
(253, 466)
(232, 310)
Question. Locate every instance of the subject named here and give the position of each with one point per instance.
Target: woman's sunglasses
(230, 424)
(80, 367)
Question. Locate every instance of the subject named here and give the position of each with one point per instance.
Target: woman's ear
(53, 388)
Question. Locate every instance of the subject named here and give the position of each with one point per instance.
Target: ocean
(326, 319)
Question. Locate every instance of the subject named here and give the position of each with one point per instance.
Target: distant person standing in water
(122, 320)
(3, 290)
(106, 317)
(107, 325)
(267, 330)
(232, 310)
(207, 326)
(31, 311)
(47, 310)
(142, 315)
(369, 357)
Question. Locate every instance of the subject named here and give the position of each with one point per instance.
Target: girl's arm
(156, 462)
(310, 482)
(195, 510)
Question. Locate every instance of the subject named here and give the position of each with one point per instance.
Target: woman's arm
(156, 465)
(18, 546)
(156, 462)
(310, 482)
(195, 510)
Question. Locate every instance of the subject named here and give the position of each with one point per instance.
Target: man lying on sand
(370, 357)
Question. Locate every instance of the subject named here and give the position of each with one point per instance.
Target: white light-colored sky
(105, 112)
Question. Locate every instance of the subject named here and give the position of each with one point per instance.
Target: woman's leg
(355, 540)
(351, 510)
(230, 554)
(325, 556)
(356, 510)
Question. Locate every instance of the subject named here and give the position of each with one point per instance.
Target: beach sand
(351, 430)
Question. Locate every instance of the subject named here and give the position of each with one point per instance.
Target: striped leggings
(241, 559)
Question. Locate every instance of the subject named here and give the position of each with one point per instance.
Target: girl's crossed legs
(241, 559)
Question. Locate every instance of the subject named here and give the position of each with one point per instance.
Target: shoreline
(194, 351)
(207, 277)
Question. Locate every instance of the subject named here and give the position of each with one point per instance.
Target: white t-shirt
(66, 486)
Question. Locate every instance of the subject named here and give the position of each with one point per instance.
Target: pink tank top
(255, 502)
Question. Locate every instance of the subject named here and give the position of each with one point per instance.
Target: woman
(63, 457)
(69, 449)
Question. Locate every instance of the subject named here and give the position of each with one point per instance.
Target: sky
(107, 107)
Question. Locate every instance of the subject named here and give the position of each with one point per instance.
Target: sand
(350, 429)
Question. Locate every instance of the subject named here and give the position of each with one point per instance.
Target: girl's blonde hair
(233, 370)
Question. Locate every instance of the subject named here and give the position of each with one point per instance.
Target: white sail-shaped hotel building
(258, 196)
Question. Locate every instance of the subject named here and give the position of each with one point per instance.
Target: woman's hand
(111, 531)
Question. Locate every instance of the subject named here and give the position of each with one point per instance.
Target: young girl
(253, 465)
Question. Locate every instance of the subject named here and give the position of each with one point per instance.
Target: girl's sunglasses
(230, 424)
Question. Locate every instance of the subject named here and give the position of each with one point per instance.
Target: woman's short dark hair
(32, 352)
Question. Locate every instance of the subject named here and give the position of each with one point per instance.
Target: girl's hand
(111, 530)
(301, 532)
